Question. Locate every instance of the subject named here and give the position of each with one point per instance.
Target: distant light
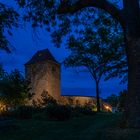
(108, 108)
(2, 107)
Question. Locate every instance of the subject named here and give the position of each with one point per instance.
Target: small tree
(113, 100)
(14, 89)
(122, 100)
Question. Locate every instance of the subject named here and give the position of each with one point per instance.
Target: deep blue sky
(71, 81)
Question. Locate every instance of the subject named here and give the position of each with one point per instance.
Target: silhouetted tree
(122, 100)
(100, 50)
(113, 100)
(14, 89)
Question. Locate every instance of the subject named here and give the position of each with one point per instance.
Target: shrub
(23, 112)
(76, 111)
(59, 112)
(82, 110)
(87, 111)
(5, 114)
(47, 99)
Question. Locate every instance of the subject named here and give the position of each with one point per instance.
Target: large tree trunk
(97, 97)
(132, 112)
(132, 34)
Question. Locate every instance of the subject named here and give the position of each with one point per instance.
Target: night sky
(26, 43)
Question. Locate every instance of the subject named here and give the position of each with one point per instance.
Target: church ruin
(44, 74)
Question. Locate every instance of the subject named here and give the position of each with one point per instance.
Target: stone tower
(43, 72)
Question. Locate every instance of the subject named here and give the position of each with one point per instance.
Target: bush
(40, 116)
(5, 114)
(23, 112)
(80, 110)
(64, 112)
(87, 111)
(47, 99)
(77, 111)
(59, 112)
(50, 112)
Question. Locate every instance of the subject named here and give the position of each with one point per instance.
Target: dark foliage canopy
(14, 89)
(8, 20)
(79, 26)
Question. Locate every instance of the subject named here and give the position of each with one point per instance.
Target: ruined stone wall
(77, 100)
(82, 101)
(44, 77)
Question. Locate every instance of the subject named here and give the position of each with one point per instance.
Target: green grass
(102, 126)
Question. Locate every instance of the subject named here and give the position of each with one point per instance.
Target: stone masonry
(43, 72)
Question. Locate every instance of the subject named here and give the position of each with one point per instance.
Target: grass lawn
(102, 126)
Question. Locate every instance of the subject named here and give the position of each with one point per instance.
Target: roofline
(82, 96)
(45, 52)
(77, 95)
(57, 63)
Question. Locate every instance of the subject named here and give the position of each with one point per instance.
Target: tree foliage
(113, 100)
(99, 47)
(14, 89)
(122, 100)
(2, 72)
(118, 101)
(77, 27)
(8, 20)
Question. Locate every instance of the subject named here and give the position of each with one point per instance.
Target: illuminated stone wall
(77, 100)
(82, 101)
(44, 76)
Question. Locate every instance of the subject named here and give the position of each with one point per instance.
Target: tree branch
(65, 8)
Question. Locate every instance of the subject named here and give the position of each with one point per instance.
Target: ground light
(108, 108)
(2, 107)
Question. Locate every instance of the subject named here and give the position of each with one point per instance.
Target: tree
(113, 100)
(99, 50)
(45, 11)
(8, 20)
(14, 89)
(3, 73)
(122, 100)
